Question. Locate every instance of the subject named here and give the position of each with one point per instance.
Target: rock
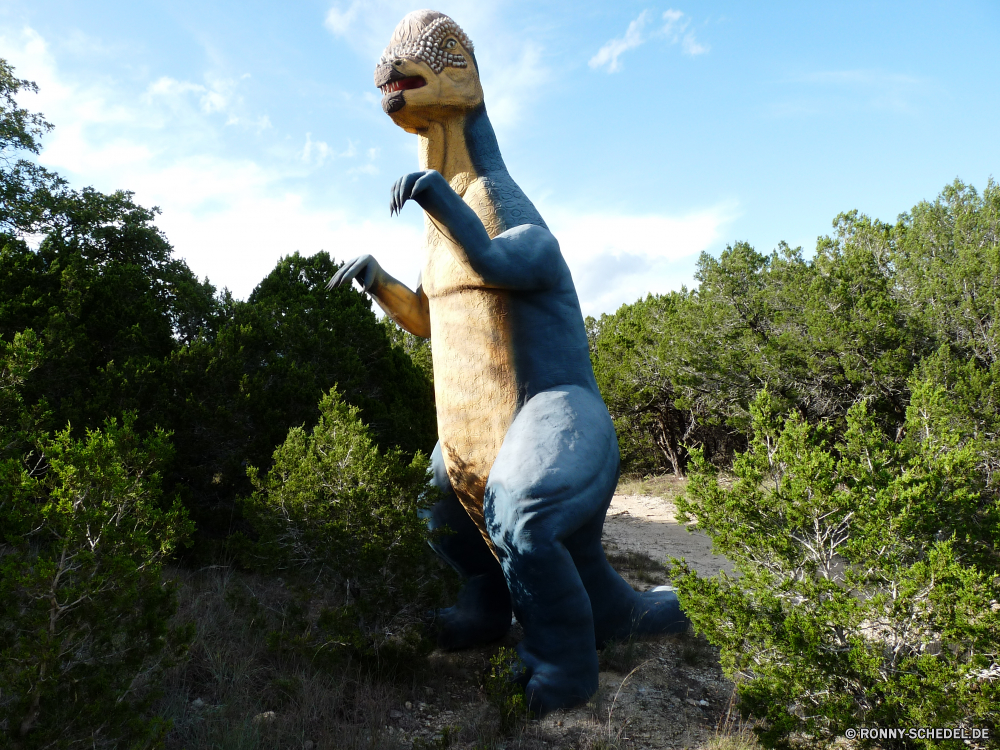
(264, 718)
(691, 701)
(394, 714)
(308, 745)
(702, 703)
(197, 703)
(408, 705)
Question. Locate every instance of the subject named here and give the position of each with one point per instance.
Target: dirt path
(648, 525)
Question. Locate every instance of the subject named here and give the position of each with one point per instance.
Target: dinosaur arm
(409, 309)
(525, 257)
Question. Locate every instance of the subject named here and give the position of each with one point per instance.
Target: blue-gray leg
(546, 498)
(482, 613)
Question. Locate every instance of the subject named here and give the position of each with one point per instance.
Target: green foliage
(418, 349)
(960, 398)
(17, 359)
(25, 187)
(340, 513)
(848, 326)
(947, 258)
(504, 693)
(263, 372)
(109, 305)
(628, 352)
(868, 579)
(84, 629)
(125, 326)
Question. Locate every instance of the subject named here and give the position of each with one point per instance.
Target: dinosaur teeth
(402, 84)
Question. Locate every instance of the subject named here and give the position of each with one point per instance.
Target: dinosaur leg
(550, 477)
(482, 613)
(619, 611)
(546, 499)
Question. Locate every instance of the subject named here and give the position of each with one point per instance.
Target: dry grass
(234, 691)
(661, 485)
(636, 567)
(742, 738)
(733, 733)
(238, 690)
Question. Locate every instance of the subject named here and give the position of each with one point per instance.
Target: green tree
(337, 511)
(110, 304)
(126, 327)
(25, 187)
(84, 628)
(868, 579)
(17, 359)
(632, 359)
(821, 335)
(418, 349)
(947, 261)
(274, 356)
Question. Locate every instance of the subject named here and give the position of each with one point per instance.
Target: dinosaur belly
(474, 383)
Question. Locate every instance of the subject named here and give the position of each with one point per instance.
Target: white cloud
(339, 21)
(672, 17)
(230, 218)
(691, 46)
(677, 29)
(673, 31)
(612, 50)
(513, 82)
(618, 258)
(315, 153)
(367, 25)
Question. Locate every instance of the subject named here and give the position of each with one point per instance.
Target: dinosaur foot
(548, 686)
(481, 615)
(658, 612)
(454, 628)
(655, 612)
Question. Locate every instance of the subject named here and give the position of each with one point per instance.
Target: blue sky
(644, 132)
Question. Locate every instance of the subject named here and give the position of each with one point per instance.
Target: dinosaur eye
(450, 44)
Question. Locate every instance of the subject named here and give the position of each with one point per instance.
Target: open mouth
(401, 84)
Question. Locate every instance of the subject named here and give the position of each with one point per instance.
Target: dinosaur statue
(527, 460)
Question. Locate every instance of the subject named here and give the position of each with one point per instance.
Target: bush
(504, 693)
(336, 512)
(868, 580)
(17, 359)
(84, 628)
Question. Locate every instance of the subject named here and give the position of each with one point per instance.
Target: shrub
(342, 518)
(84, 628)
(868, 580)
(503, 691)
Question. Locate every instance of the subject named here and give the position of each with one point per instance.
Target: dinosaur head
(427, 72)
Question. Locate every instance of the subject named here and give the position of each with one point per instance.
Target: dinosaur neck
(462, 147)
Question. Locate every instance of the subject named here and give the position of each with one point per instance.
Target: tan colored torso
(474, 381)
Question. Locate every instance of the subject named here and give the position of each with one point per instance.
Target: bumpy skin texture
(527, 460)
